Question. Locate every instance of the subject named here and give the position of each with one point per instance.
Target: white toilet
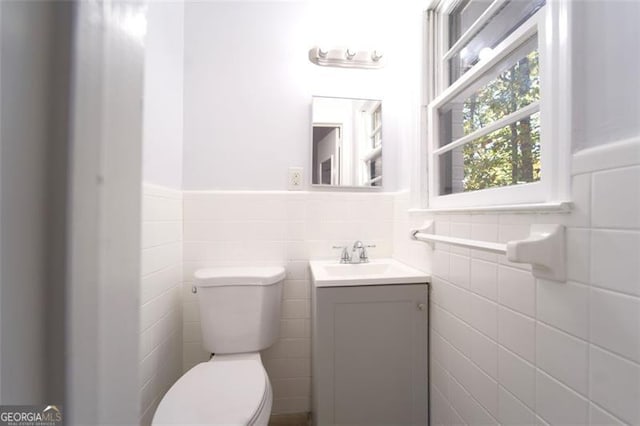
(240, 315)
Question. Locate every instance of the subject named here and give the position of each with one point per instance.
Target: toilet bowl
(228, 390)
(239, 315)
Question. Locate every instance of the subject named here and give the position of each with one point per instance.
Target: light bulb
(485, 53)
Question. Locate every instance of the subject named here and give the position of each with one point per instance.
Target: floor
(297, 419)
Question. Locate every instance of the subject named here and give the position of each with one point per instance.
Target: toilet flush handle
(194, 289)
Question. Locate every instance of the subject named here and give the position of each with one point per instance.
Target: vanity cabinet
(370, 355)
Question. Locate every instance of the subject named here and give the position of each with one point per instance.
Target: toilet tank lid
(227, 276)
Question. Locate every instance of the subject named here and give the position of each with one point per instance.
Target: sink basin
(330, 273)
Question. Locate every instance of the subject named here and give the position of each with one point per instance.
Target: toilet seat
(228, 390)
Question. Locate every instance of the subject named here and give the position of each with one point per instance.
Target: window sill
(555, 207)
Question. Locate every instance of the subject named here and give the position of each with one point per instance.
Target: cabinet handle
(421, 306)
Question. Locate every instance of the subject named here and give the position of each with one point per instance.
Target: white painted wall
(163, 86)
(33, 197)
(1, 138)
(24, 122)
(35, 51)
(248, 85)
(606, 66)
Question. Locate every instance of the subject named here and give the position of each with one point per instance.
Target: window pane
(375, 171)
(512, 14)
(463, 16)
(508, 156)
(511, 85)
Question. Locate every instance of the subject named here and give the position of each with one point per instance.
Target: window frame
(372, 131)
(551, 24)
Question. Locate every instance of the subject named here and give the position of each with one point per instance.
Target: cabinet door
(370, 362)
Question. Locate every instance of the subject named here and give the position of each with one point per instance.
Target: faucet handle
(345, 257)
(364, 256)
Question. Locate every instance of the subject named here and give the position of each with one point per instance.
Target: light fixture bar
(347, 58)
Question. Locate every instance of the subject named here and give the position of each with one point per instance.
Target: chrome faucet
(358, 253)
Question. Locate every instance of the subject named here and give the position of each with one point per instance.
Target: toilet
(240, 315)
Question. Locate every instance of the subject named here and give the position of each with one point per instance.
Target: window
(491, 118)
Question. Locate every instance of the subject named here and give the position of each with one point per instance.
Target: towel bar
(543, 249)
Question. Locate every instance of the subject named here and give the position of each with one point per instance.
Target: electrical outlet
(295, 178)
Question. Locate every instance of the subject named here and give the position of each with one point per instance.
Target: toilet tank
(239, 307)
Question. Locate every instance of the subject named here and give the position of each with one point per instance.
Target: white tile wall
(511, 411)
(283, 228)
(507, 348)
(615, 384)
(160, 306)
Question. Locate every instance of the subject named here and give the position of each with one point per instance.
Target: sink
(331, 273)
(347, 270)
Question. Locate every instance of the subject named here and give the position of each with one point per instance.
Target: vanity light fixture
(346, 58)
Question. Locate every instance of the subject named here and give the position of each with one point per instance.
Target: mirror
(346, 142)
